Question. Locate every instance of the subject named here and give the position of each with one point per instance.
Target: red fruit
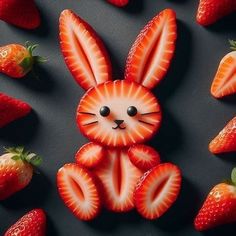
(21, 13)
(90, 155)
(119, 177)
(12, 109)
(225, 141)
(143, 156)
(219, 207)
(118, 127)
(151, 54)
(119, 3)
(16, 170)
(33, 223)
(209, 11)
(17, 60)
(157, 190)
(79, 192)
(224, 82)
(83, 52)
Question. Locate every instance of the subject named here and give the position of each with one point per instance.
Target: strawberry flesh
(79, 191)
(143, 156)
(224, 82)
(83, 51)
(118, 96)
(157, 190)
(118, 177)
(90, 155)
(151, 54)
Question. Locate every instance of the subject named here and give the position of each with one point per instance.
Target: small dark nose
(118, 122)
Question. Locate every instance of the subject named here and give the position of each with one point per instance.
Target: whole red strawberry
(21, 13)
(17, 60)
(12, 109)
(16, 170)
(33, 223)
(225, 141)
(209, 11)
(219, 207)
(119, 3)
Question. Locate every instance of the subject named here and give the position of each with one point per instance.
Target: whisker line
(91, 123)
(147, 123)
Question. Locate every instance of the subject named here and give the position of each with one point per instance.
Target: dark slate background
(191, 116)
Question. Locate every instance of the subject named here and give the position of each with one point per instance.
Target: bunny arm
(90, 155)
(143, 156)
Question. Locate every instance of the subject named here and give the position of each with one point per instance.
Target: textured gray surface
(191, 116)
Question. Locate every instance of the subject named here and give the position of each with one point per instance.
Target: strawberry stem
(233, 176)
(19, 153)
(28, 62)
(232, 44)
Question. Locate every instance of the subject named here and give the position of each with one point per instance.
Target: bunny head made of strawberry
(118, 116)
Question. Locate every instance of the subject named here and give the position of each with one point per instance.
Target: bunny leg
(157, 190)
(90, 155)
(143, 156)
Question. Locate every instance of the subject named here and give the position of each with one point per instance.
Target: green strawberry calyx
(232, 44)
(233, 176)
(28, 62)
(19, 153)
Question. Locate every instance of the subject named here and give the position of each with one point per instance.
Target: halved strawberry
(119, 177)
(224, 82)
(157, 190)
(119, 113)
(78, 190)
(83, 51)
(119, 3)
(143, 156)
(150, 55)
(90, 155)
(225, 141)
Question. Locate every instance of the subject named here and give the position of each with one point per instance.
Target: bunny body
(118, 116)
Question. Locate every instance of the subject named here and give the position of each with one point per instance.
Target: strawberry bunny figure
(116, 169)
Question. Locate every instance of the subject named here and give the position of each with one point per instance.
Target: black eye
(104, 111)
(132, 111)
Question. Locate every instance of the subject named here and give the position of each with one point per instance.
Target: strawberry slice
(150, 55)
(78, 190)
(90, 155)
(224, 82)
(119, 3)
(157, 190)
(225, 140)
(119, 177)
(83, 52)
(105, 116)
(209, 11)
(143, 156)
(12, 109)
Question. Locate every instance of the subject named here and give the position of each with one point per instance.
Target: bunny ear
(83, 51)
(150, 55)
